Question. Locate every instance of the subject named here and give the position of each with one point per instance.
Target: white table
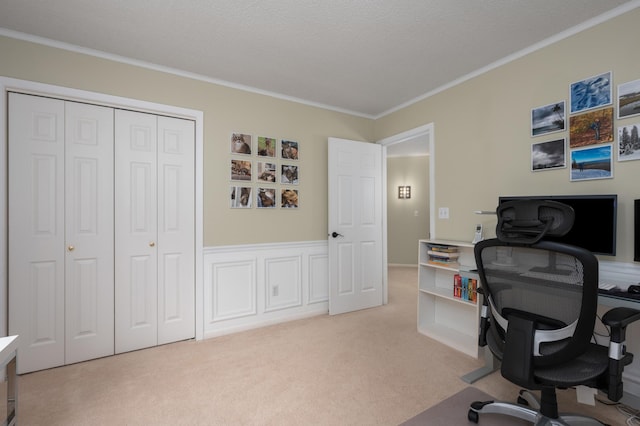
(8, 349)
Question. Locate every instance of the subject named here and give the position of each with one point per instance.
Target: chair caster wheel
(472, 416)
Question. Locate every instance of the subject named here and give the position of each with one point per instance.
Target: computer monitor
(636, 230)
(595, 221)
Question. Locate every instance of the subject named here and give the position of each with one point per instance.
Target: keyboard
(606, 286)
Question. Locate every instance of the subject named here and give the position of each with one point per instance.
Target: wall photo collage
(591, 129)
(264, 172)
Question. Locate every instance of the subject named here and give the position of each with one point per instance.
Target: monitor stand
(552, 267)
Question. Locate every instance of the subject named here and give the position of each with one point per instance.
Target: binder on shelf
(465, 288)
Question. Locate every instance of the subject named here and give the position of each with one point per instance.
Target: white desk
(8, 348)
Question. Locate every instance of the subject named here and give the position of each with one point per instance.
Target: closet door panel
(89, 221)
(136, 266)
(176, 228)
(36, 229)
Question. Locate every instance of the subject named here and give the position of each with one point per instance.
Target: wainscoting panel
(318, 278)
(233, 290)
(283, 283)
(250, 286)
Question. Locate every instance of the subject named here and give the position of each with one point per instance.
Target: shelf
(441, 316)
(446, 293)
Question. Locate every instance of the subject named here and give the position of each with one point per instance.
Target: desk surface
(619, 298)
(7, 346)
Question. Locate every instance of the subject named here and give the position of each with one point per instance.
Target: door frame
(425, 130)
(33, 88)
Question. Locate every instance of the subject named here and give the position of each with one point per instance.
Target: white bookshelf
(442, 316)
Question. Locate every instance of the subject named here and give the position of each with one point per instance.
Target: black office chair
(539, 310)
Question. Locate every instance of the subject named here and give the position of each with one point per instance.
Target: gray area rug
(453, 412)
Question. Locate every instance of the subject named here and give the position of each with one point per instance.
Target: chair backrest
(542, 294)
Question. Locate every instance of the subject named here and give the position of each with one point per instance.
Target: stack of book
(465, 288)
(443, 255)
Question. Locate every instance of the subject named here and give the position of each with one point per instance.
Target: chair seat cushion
(582, 370)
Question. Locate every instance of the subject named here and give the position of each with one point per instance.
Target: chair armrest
(618, 319)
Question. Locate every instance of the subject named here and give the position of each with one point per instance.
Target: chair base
(527, 409)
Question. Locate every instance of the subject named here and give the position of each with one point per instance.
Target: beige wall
(226, 110)
(404, 227)
(482, 129)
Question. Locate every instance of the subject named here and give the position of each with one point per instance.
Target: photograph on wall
(548, 119)
(591, 163)
(629, 99)
(628, 142)
(266, 147)
(289, 198)
(240, 170)
(289, 174)
(289, 150)
(240, 143)
(590, 93)
(241, 197)
(266, 198)
(548, 155)
(591, 128)
(266, 172)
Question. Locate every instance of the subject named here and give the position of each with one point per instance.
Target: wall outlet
(275, 291)
(443, 213)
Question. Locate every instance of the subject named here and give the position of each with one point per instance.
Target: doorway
(410, 193)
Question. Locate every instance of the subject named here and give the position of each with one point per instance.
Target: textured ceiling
(366, 57)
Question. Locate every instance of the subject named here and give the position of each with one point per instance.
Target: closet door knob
(152, 244)
(70, 248)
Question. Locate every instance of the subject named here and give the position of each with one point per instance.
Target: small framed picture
(591, 128)
(266, 172)
(590, 93)
(240, 170)
(266, 198)
(548, 119)
(289, 174)
(266, 147)
(548, 155)
(289, 150)
(629, 142)
(629, 99)
(591, 163)
(289, 198)
(241, 197)
(240, 143)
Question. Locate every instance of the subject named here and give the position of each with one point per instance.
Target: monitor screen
(595, 222)
(636, 230)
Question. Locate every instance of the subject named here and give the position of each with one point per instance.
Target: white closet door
(36, 229)
(176, 227)
(136, 230)
(89, 232)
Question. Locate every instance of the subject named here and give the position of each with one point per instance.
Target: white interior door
(36, 229)
(355, 226)
(89, 231)
(176, 229)
(136, 230)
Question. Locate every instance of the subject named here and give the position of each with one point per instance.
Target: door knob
(152, 244)
(70, 248)
(334, 234)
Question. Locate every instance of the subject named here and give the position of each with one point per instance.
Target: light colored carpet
(370, 367)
